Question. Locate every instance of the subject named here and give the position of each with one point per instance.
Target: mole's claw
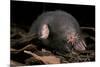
(84, 43)
(80, 46)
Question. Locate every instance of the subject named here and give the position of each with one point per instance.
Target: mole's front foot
(80, 45)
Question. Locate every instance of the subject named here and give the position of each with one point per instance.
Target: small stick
(20, 50)
(88, 28)
(45, 59)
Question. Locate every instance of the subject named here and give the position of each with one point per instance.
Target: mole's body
(58, 30)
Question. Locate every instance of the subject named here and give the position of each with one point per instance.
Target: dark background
(24, 13)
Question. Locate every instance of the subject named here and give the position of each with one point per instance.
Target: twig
(88, 28)
(22, 41)
(24, 48)
(45, 59)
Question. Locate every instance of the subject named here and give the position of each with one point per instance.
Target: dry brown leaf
(50, 60)
(45, 59)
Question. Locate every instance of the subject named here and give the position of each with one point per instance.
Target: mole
(59, 30)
